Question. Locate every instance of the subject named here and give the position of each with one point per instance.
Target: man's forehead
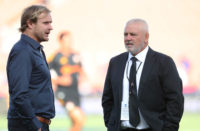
(43, 15)
(132, 27)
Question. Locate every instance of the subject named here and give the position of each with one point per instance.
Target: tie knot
(134, 58)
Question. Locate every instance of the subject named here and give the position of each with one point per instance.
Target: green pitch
(189, 122)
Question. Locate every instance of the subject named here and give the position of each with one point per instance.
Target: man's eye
(132, 34)
(46, 23)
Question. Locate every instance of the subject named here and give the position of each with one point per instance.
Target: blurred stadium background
(97, 29)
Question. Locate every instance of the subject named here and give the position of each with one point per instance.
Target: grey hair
(138, 20)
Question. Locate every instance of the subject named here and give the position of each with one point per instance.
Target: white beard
(135, 50)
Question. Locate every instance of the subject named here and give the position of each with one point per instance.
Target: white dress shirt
(125, 96)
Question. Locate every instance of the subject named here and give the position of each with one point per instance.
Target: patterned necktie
(134, 117)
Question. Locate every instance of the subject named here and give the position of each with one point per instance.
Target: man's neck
(29, 34)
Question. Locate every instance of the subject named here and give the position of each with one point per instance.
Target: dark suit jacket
(160, 92)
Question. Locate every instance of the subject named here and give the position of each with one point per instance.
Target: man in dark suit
(30, 89)
(143, 90)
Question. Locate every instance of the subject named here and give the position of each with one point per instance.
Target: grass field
(189, 122)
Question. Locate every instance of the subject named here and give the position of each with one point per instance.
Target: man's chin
(130, 49)
(46, 39)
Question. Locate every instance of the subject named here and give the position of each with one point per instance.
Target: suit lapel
(122, 66)
(146, 69)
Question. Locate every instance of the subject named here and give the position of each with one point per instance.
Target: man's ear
(29, 24)
(146, 38)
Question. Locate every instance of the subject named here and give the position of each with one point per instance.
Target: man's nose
(50, 27)
(128, 37)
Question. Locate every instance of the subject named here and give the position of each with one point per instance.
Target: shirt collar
(32, 42)
(140, 56)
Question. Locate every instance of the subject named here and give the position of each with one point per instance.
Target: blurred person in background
(65, 64)
(143, 90)
(31, 104)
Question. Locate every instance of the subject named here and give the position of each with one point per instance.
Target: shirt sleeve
(19, 70)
